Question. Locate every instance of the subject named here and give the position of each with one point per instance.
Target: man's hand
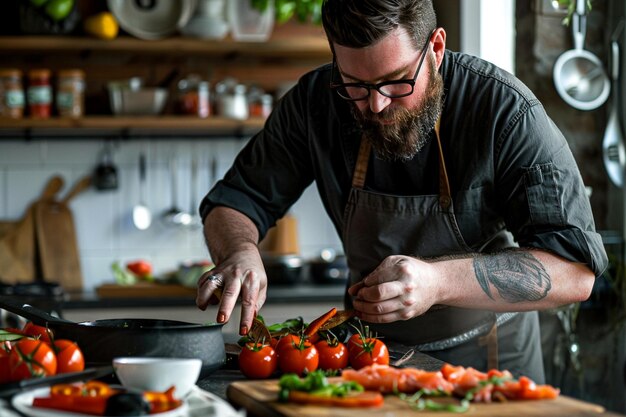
(232, 241)
(398, 289)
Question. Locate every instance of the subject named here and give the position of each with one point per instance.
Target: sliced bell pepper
(359, 399)
(311, 330)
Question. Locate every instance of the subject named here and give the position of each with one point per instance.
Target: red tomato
(43, 333)
(354, 341)
(298, 358)
(69, 356)
(332, 355)
(140, 268)
(5, 367)
(367, 352)
(257, 361)
(32, 358)
(286, 341)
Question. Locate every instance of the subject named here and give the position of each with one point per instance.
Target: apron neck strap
(445, 196)
(360, 170)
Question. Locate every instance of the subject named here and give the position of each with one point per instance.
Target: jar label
(65, 100)
(14, 99)
(41, 94)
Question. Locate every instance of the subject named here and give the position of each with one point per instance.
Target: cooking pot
(103, 340)
(283, 269)
(329, 268)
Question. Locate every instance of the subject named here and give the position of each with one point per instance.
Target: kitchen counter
(276, 294)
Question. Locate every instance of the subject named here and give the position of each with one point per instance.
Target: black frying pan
(103, 340)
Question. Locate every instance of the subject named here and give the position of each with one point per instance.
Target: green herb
(6, 336)
(315, 383)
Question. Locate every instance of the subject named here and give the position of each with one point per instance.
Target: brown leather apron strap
(445, 196)
(360, 170)
(491, 341)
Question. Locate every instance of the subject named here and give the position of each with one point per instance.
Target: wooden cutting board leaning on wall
(56, 239)
(19, 261)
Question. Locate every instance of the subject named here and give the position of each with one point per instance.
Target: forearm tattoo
(518, 276)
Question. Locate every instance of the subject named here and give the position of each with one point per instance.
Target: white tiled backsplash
(103, 220)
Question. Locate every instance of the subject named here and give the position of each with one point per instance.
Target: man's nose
(377, 101)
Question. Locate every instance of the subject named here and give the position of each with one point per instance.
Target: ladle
(142, 217)
(175, 216)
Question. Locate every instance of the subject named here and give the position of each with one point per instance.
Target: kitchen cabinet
(273, 66)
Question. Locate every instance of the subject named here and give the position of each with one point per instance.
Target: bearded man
(457, 200)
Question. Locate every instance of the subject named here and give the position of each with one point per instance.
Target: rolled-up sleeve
(545, 199)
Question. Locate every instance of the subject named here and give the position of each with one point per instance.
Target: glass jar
(70, 94)
(39, 93)
(194, 96)
(261, 106)
(11, 94)
(234, 103)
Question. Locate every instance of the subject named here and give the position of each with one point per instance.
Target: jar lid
(10, 72)
(72, 72)
(39, 73)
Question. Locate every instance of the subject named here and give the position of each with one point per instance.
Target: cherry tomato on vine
(257, 361)
(368, 351)
(69, 356)
(333, 355)
(286, 341)
(32, 358)
(43, 333)
(298, 358)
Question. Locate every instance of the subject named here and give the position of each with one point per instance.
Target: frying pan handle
(29, 312)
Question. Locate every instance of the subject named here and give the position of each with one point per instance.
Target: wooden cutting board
(259, 398)
(56, 239)
(19, 261)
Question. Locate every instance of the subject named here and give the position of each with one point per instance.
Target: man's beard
(407, 130)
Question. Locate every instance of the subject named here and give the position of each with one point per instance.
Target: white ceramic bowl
(158, 374)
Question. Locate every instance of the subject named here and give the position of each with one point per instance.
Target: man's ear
(439, 45)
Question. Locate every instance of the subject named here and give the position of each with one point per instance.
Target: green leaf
(6, 336)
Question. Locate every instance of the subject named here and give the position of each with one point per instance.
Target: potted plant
(305, 11)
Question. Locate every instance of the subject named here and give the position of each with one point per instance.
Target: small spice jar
(39, 93)
(194, 96)
(261, 106)
(70, 94)
(11, 94)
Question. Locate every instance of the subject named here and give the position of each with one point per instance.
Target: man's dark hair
(361, 23)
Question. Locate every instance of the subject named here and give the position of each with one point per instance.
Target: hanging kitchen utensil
(56, 239)
(142, 217)
(613, 148)
(193, 206)
(105, 174)
(103, 340)
(579, 75)
(18, 253)
(174, 216)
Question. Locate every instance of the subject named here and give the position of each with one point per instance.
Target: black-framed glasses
(391, 89)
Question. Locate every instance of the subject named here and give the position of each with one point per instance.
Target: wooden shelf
(129, 126)
(310, 47)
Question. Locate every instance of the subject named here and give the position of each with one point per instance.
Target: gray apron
(379, 225)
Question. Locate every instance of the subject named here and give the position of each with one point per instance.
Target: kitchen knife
(11, 388)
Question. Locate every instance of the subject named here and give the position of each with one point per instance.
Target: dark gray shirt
(509, 166)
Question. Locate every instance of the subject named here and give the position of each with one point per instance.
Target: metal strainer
(579, 76)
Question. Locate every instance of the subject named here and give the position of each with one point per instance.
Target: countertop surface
(275, 294)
